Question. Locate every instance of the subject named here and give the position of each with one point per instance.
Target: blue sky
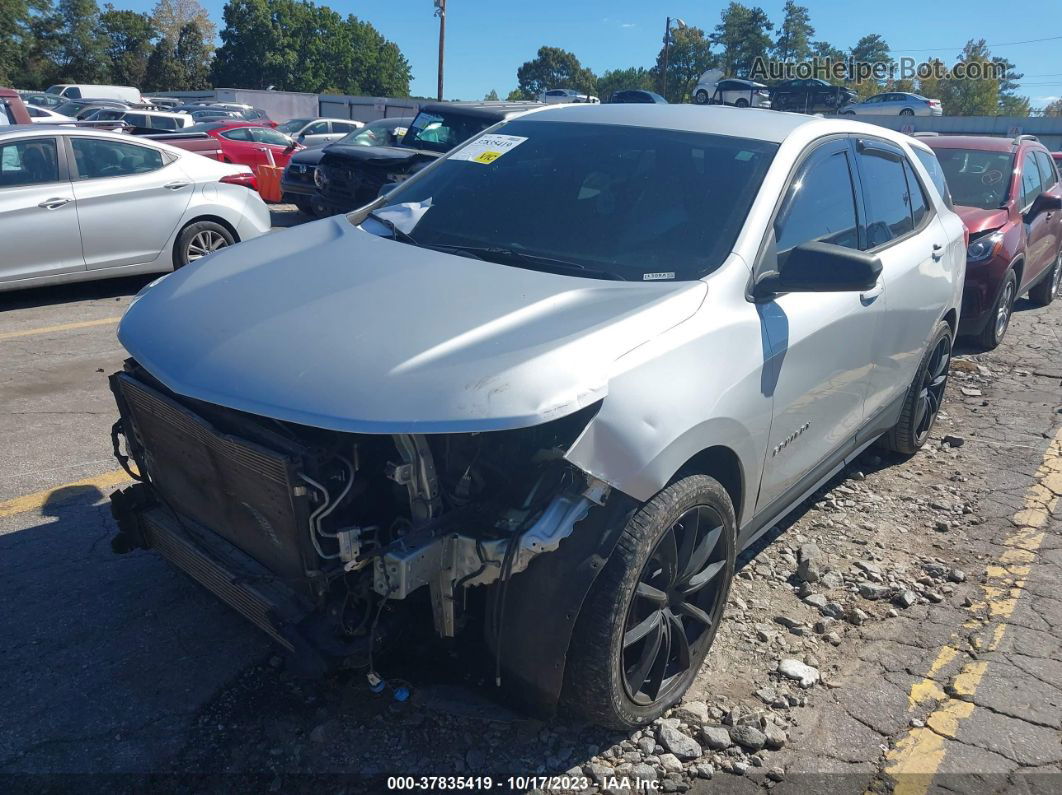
(488, 39)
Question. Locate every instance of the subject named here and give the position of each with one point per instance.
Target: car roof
(60, 128)
(766, 125)
(487, 110)
(987, 143)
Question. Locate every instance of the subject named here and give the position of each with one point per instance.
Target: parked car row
(80, 203)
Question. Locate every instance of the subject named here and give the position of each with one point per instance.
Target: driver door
(821, 343)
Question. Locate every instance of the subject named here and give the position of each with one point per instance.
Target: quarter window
(101, 158)
(1048, 177)
(1030, 180)
(28, 162)
(820, 206)
(919, 205)
(885, 195)
(936, 173)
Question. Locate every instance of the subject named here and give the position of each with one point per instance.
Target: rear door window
(99, 158)
(885, 195)
(820, 205)
(238, 134)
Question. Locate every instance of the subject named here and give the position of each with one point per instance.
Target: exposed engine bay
(312, 534)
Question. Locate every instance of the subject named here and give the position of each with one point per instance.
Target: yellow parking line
(63, 493)
(915, 759)
(33, 332)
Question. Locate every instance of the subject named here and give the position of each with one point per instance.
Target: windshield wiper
(507, 256)
(396, 233)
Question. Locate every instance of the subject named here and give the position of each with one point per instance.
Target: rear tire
(199, 239)
(907, 112)
(742, 103)
(1047, 290)
(924, 396)
(666, 583)
(999, 321)
(701, 98)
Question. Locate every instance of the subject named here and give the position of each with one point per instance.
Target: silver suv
(544, 391)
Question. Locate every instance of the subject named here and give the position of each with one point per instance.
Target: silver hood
(334, 327)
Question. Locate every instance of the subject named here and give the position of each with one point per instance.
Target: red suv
(1007, 192)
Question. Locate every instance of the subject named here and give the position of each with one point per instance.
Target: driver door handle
(54, 204)
(868, 296)
(176, 185)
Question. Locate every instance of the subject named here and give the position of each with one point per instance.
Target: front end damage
(331, 541)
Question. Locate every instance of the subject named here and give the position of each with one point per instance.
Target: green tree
(519, 95)
(870, 49)
(163, 71)
(492, 96)
(553, 67)
(1011, 103)
(295, 45)
(193, 58)
(636, 77)
(127, 39)
(794, 34)
(17, 38)
(82, 53)
(971, 97)
(690, 56)
(742, 32)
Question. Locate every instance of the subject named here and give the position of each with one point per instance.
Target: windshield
(977, 178)
(441, 132)
(377, 133)
(620, 202)
(69, 108)
(293, 126)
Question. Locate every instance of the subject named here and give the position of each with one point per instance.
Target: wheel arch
(217, 219)
(723, 464)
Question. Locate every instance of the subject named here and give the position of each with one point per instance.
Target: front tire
(651, 616)
(742, 103)
(199, 239)
(924, 396)
(907, 112)
(999, 321)
(1050, 285)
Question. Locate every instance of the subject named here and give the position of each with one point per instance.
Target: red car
(1008, 194)
(12, 111)
(250, 144)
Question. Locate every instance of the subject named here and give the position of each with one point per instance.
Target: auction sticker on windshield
(488, 148)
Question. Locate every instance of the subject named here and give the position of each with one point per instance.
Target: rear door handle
(937, 252)
(54, 204)
(177, 185)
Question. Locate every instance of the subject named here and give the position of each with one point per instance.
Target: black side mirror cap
(820, 268)
(1047, 201)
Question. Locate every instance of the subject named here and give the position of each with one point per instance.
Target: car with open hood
(544, 391)
(349, 175)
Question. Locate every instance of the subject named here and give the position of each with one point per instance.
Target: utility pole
(440, 12)
(667, 47)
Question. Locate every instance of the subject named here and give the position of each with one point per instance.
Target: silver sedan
(80, 204)
(895, 103)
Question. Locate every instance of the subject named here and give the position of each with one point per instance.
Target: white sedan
(79, 204)
(895, 103)
(39, 115)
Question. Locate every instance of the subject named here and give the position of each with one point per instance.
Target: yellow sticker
(486, 157)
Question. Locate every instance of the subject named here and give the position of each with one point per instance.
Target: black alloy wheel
(675, 605)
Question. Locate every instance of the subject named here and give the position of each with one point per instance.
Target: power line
(989, 46)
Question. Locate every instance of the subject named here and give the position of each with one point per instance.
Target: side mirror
(1046, 202)
(819, 268)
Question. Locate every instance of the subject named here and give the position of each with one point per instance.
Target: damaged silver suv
(542, 393)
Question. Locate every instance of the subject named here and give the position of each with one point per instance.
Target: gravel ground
(878, 590)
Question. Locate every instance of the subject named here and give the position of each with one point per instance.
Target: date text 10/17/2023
(518, 783)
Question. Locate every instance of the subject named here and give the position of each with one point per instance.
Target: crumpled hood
(978, 220)
(390, 155)
(333, 327)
